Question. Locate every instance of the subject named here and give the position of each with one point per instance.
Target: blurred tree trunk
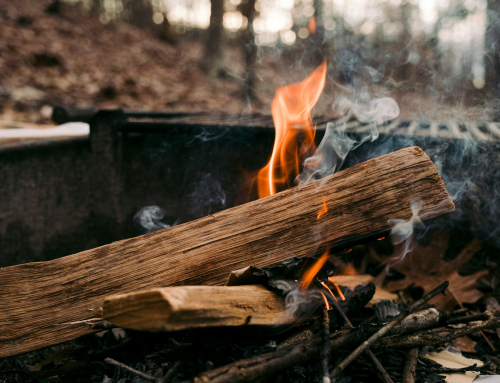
(250, 49)
(407, 68)
(492, 57)
(140, 13)
(212, 60)
(166, 31)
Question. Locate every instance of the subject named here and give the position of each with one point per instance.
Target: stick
(384, 330)
(265, 365)
(481, 332)
(184, 307)
(435, 338)
(172, 372)
(410, 369)
(36, 298)
(369, 353)
(140, 374)
(325, 357)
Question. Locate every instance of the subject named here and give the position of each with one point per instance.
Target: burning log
(179, 308)
(45, 303)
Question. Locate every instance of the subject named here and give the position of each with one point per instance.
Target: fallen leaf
(425, 267)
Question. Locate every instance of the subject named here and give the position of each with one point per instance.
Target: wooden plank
(184, 307)
(39, 300)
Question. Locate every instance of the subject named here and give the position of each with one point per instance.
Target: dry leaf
(425, 267)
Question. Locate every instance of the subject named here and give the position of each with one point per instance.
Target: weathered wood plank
(38, 300)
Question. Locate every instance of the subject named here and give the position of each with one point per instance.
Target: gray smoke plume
(402, 231)
(207, 194)
(148, 219)
(336, 144)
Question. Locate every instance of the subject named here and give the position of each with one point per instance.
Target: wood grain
(39, 300)
(184, 307)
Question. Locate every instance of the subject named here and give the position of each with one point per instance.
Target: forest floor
(73, 59)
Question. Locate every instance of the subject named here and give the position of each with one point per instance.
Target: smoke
(148, 219)
(402, 231)
(336, 144)
(207, 195)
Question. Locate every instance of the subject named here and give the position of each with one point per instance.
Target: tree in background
(212, 61)
(492, 43)
(247, 9)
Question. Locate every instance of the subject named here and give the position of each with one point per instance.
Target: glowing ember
(380, 239)
(310, 273)
(291, 110)
(324, 209)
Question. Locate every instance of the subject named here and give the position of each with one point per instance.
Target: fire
(349, 270)
(323, 210)
(310, 273)
(337, 287)
(291, 110)
(312, 26)
(326, 301)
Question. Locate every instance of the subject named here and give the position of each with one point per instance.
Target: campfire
(275, 288)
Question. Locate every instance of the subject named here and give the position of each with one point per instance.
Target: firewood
(45, 303)
(183, 307)
(179, 308)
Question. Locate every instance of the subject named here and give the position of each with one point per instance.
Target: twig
(369, 353)
(435, 338)
(326, 346)
(482, 333)
(384, 330)
(410, 369)
(172, 372)
(265, 365)
(142, 375)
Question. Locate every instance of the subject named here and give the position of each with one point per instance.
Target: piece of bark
(183, 307)
(39, 301)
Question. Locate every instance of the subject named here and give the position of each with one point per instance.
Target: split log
(183, 307)
(179, 308)
(45, 303)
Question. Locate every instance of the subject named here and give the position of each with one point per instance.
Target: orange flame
(323, 210)
(312, 26)
(349, 270)
(291, 110)
(380, 239)
(337, 287)
(310, 273)
(326, 301)
(329, 290)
